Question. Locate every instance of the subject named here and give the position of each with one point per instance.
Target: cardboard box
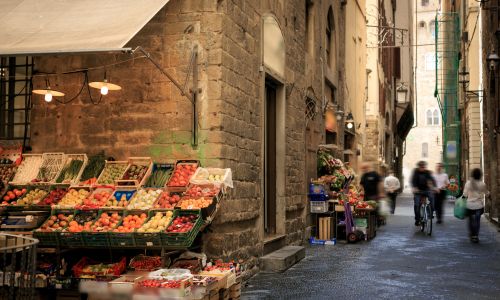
(326, 228)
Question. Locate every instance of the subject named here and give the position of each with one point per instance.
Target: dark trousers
(416, 202)
(474, 220)
(439, 202)
(392, 197)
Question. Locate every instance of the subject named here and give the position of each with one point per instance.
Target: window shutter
(397, 62)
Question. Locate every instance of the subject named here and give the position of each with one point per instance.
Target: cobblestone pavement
(400, 263)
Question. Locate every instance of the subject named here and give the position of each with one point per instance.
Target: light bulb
(349, 125)
(48, 97)
(104, 90)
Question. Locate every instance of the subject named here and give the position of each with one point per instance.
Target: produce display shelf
(182, 240)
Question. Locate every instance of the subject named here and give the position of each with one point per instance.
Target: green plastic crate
(123, 239)
(47, 238)
(182, 240)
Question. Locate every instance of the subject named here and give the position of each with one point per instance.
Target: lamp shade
(48, 91)
(100, 84)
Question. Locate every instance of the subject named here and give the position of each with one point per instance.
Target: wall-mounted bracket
(192, 95)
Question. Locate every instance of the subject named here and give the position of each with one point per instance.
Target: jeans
(474, 221)
(392, 197)
(439, 201)
(416, 202)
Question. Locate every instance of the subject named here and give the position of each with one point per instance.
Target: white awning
(30, 27)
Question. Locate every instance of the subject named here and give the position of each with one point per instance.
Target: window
(424, 2)
(432, 28)
(435, 115)
(430, 61)
(309, 27)
(429, 117)
(425, 150)
(15, 98)
(330, 42)
(432, 117)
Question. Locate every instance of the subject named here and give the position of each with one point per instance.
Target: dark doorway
(270, 158)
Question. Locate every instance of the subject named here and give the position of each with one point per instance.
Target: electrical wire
(85, 81)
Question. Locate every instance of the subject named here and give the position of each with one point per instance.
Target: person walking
(475, 190)
(370, 181)
(442, 182)
(392, 186)
(422, 185)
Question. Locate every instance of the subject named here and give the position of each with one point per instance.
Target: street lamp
(402, 93)
(349, 121)
(493, 60)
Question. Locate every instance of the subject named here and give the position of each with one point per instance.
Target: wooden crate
(124, 165)
(140, 161)
(70, 157)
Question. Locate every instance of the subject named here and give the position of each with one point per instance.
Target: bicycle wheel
(422, 218)
(428, 225)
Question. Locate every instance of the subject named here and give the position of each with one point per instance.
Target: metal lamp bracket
(192, 95)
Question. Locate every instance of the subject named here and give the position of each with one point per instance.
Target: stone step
(282, 259)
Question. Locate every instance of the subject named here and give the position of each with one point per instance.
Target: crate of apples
(98, 198)
(56, 222)
(54, 197)
(167, 200)
(33, 197)
(182, 174)
(144, 199)
(182, 224)
(73, 198)
(12, 196)
(131, 222)
(157, 223)
(106, 222)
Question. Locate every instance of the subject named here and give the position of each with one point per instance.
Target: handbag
(460, 208)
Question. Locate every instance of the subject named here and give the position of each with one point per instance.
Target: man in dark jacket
(422, 184)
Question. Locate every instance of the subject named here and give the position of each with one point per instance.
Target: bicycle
(425, 215)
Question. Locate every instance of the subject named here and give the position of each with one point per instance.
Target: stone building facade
(256, 116)
(490, 106)
(424, 142)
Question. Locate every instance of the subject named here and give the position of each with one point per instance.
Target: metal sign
(451, 149)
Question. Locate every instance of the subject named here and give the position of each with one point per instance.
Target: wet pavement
(400, 263)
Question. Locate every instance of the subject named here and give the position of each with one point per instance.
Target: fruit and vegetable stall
(337, 206)
(129, 226)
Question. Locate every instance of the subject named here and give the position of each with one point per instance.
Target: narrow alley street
(400, 263)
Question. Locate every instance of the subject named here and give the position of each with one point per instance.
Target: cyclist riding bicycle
(422, 184)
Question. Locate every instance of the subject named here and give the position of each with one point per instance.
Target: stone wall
(150, 117)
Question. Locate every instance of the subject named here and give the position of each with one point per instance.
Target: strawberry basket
(183, 229)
